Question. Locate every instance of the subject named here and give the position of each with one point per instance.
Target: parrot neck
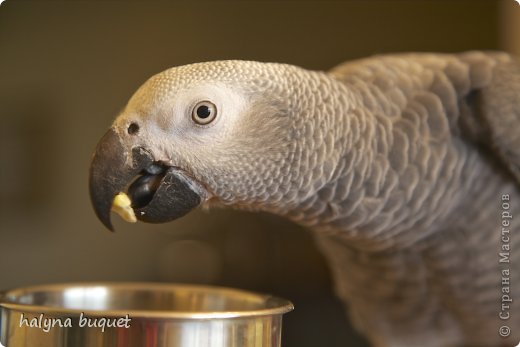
(363, 175)
(339, 164)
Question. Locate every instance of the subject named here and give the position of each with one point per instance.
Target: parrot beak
(157, 193)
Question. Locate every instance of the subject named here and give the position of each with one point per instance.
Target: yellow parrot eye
(204, 112)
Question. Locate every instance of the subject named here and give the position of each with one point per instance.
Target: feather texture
(406, 167)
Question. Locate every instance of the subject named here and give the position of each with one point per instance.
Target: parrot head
(198, 134)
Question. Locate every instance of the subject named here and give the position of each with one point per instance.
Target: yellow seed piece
(123, 207)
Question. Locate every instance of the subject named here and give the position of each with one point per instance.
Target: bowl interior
(146, 297)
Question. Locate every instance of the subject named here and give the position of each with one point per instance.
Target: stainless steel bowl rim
(280, 306)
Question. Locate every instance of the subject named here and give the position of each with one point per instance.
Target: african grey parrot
(406, 167)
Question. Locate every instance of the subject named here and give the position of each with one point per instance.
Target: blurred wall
(510, 26)
(68, 67)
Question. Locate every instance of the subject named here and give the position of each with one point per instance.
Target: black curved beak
(113, 169)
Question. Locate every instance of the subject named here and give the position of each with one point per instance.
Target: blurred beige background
(68, 67)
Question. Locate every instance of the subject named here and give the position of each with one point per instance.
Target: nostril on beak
(133, 128)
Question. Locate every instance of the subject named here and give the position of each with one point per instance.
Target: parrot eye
(204, 112)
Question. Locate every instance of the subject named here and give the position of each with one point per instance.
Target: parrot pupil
(203, 111)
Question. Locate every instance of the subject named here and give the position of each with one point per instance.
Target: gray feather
(401, 165)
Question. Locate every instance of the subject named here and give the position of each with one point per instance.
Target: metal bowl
(139, 314)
